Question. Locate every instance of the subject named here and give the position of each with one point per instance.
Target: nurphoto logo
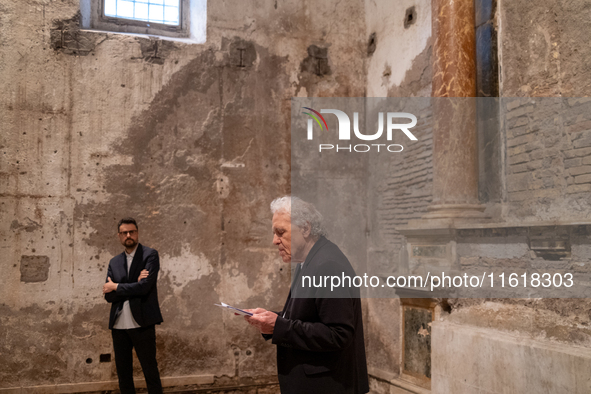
(344, 130)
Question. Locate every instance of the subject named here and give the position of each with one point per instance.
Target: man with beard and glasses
(319, 333)
(131, 290)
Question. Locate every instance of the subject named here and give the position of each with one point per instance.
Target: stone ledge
(470, 359)
(447, 226)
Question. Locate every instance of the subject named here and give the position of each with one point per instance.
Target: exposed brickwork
(404, 186)
(548, 143)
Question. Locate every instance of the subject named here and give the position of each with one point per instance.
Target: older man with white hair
(319, 338)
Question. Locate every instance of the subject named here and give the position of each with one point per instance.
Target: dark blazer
(320, 346)
(142, 295)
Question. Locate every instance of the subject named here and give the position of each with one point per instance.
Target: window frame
(122, 25)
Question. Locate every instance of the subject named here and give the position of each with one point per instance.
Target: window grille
(166, 12)
(183, 20)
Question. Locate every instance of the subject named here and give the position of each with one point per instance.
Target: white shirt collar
(132, 254)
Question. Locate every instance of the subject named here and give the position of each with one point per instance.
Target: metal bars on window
(166, 12)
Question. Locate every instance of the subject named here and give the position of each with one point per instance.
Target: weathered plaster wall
(190, 140)
(534, 167)
(544, 147)
(545, 140)
(398, 34)
(542, 48)
(542, 54)
(557, 320)
(495, 363)
(193, 140)
(399, 187)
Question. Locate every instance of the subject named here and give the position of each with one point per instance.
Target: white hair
(301, 212)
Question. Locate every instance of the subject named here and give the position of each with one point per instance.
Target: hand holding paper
(263, 320)
(234, 309)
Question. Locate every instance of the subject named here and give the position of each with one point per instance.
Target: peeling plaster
(111, 125)
(397, 46)
(185, 268)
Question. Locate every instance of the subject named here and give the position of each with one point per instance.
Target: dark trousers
(143, 339)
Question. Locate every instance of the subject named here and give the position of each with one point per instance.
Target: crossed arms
(115, 292)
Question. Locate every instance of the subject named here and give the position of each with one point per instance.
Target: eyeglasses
(132, 232)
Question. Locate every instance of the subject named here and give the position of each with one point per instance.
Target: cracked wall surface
(534, 167)
(191, 140)
(544, 176)
(399, 65)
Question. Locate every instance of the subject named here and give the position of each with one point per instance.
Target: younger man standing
(131, 290)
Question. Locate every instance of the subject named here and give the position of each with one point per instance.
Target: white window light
(167, 12)
(184, 20)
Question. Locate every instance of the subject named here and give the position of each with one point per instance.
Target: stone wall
(190, 140)
(533, 169)
(543, 146)
(548, 168)
(500, 363)
(542, 48)
(194, 141)
(398, 48)
(399, 188)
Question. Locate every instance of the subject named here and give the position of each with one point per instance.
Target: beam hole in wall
(371, 44)
(317, 62)
(410, 17)
(242, 53)
(105, 358)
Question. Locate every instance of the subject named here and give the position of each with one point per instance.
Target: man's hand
(255, 311)
(262, 319)
(109, 286)
(143, 274)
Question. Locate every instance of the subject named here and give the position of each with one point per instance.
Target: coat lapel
(295, 289)
(136, 263)
(122, 268)
(315, 248)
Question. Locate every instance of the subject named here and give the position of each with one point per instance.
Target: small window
(166, 12)
(184, 19)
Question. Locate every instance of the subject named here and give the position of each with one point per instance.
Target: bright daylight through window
(166, 12)
(182, 20)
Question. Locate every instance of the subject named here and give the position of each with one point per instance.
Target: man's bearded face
(128, 235)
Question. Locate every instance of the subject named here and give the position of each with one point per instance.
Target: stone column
(455, 148)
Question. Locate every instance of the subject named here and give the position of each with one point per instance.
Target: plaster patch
(28, 225)
(185, 268)
(222, 186)
(240, 287)
(155, 51)
(303, 92)
(232, 165)
(397, 46)
(110, 159)
(237, 291)
(507, 251)
(66, 37)
(34, 268)
(581, 252)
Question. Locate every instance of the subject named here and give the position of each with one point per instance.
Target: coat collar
(134, 270)
(317, 246)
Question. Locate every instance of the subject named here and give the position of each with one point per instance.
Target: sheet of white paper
(234, 309)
